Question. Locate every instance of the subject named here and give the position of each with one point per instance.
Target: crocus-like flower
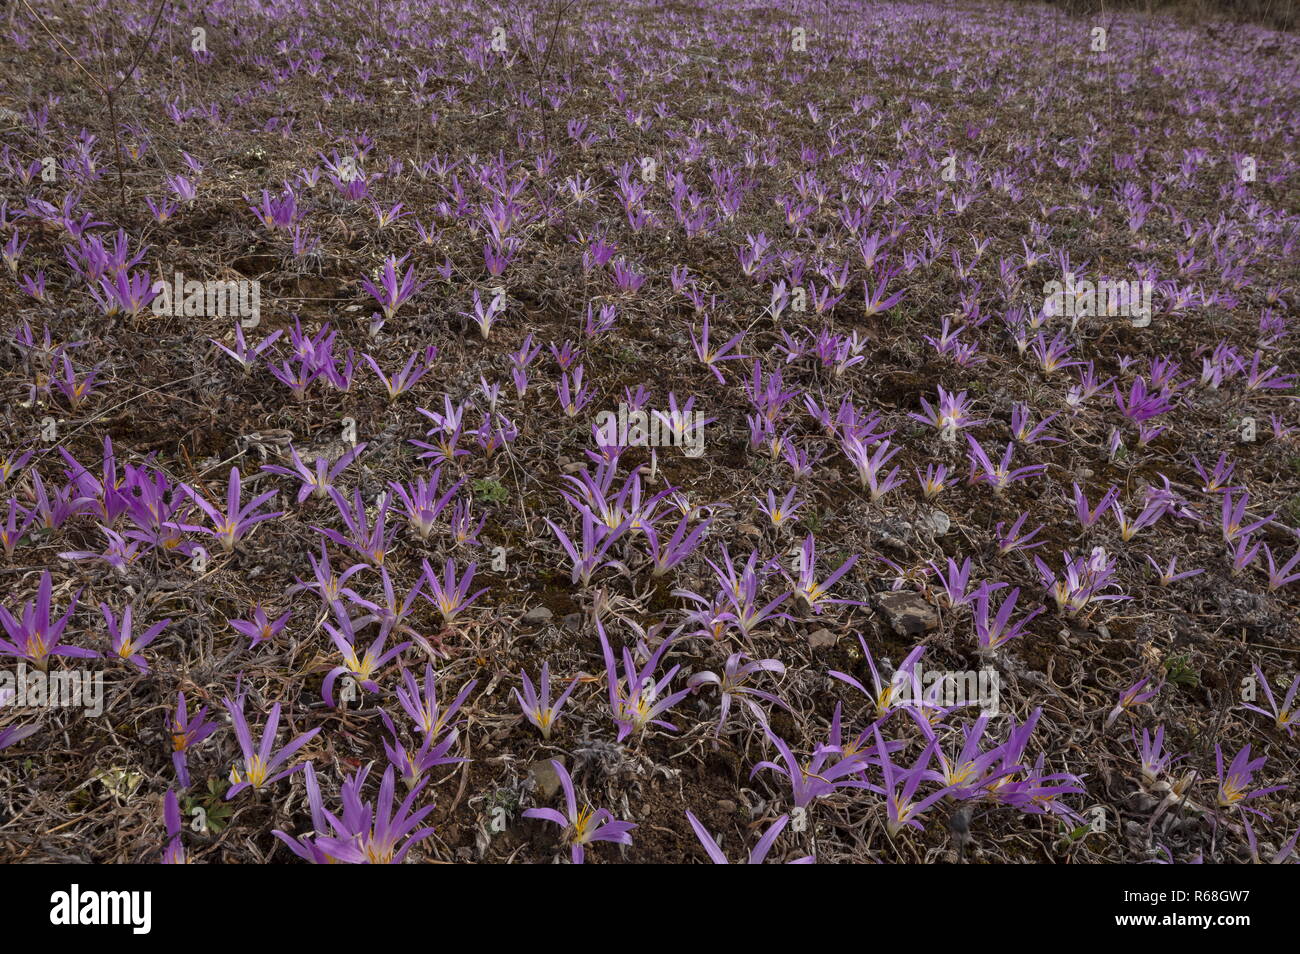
(1234, 784)
(732, 682)
(317, 482)
(421, 703)
(230, 527)
(1081, 583)
(187, 731)
(449, 594)
(537, 708)
(588, 554)
(814, 594)
(403, 380)
(1279, 577)
(421, 501)
(1012, 539)
(900, 787)
(312, 846)
(174, 854)
(995, 631)
(1287, 717)
(246, 355)
(372, 541)
(1234, 518)
(951, 415)
(126, 645)
(1151, 751)
(884, 697)
(581, 828)
(36, 636)
(1171, 574)
(381, 833)
(780, 513)
(756, 854)
(11, 532)
(260, 628)
(711, 356)
(972, 771)
(433, 752)
(636, 705)
(259, 763)
(362, 669)
(1280, 857)
(1134, 695)
(822, 774)
(392, 290)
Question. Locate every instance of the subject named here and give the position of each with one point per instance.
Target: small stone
(936, 523)
(908, 613)
(727, 806)
(750, 530)
(546, 781)
(538, 614)
(572, 622)
(822, 639)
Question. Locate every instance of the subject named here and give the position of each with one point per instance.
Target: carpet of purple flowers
(612, 431)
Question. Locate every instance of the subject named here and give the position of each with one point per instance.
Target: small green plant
(216, 810)
(487, 490)
(1179, 670)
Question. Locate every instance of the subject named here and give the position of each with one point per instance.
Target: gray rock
(546, 781)
(538, 614)
(936, 522)
(908, 613)
(822, 639)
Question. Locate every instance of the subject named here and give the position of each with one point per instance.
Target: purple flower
(372, 541)
(392, 290)
(361, 669)
(126, 645)
(636, 705)
(814, 594)
(901, 785)
(381, 833)
(260, 628)
(1134, 695)
(1234, 784)
(36, 636)
(537, 707)
(187, 731)
(257, 770)
(230, 527)
(174, 853)
(581, 828)
(1287, 717)
(449, 595)
(731, 683)
(317, 481)
(821, 776)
